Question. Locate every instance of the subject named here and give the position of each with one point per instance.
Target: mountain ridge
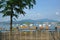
(32, 21)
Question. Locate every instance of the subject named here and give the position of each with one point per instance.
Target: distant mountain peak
(33, 21)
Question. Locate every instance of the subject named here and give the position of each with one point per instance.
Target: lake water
(7, 26)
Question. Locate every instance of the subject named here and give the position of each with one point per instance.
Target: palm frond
(18, 6)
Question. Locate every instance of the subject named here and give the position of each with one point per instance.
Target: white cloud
(35, 16)
(57, 13)
(4, 18)
(32, 16)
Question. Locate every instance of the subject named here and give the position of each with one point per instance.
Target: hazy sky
(49, 9)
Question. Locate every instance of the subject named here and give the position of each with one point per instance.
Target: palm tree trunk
(10, 27)
(56, 29)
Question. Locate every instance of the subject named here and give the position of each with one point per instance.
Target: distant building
(1, 28)
(23, 27)
(31, 25)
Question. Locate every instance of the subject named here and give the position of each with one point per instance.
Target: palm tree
(14, 8)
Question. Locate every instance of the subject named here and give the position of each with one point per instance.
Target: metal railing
(31, 35)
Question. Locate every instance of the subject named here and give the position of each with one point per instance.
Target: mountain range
(31, 21)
